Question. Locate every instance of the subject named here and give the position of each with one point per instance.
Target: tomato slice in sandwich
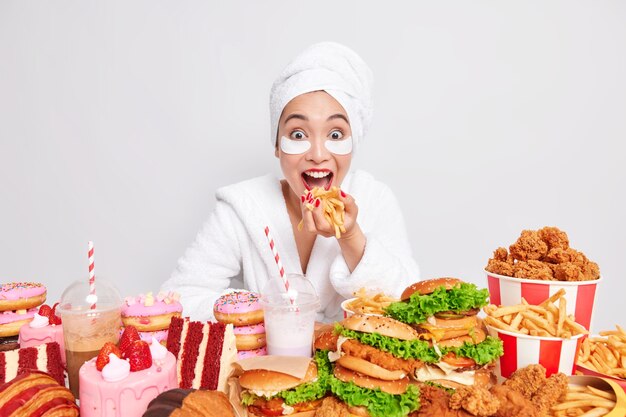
(458, 361)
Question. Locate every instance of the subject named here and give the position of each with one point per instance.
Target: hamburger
(269, 393)
(371, 381)
(443, 312)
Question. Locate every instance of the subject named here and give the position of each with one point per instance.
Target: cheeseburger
(444, 311)
(270, 393)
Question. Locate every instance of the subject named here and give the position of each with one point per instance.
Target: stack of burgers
(373, 365)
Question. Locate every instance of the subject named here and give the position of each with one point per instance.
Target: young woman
(320, 109)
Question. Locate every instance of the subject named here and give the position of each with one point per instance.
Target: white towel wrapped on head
(331, 67)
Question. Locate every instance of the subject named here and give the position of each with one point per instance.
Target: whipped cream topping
(116, 370)
(157, 350)
(38, 321)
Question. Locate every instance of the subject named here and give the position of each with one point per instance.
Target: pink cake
(32, 335)
(128, 397)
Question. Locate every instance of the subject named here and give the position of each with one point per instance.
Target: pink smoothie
(51, 333)
(128, 397)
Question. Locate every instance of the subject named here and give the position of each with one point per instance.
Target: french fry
(364, 303)
(333, 208)
(548, 319)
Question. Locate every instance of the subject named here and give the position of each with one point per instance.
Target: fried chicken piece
(499, 267)
(332, 407)
(476, 400)
(559, 256)
(569, 271)
(513, 403)
(500, 254)
(435, 403)
(533, 269)
(591, 271)
(378, 357)
(554, 237)
(549, 393)
(527, 380)
(528, 246)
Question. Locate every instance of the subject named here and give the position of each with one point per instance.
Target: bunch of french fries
(333, 208)
(548, 319)
(366, 304)
(606, 354)
(584, 401)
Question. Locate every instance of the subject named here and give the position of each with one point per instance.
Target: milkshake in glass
(289, 316)
(89, 321)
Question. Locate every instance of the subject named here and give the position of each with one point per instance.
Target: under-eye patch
(339, 147)
(294, 147)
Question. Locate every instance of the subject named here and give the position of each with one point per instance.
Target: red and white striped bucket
(520, 350)
(580, 295)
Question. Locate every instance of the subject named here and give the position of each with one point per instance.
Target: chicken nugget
(569, 271)
(549, 393)
(527, 380)
(499, 267)
(529, 246)
(533, 270)
(554, 237)
(476, 400)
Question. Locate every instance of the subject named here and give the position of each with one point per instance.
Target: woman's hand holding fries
(607, 354)
(328, 212)
(548, 319)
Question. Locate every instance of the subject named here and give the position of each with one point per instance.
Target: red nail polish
(343, 194)
(317, 202)
(302, 198)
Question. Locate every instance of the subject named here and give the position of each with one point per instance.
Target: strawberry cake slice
(123, 379)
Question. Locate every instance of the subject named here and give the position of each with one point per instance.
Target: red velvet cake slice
(45, 358)
(205, 353)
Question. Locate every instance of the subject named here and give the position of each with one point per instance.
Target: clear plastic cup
(87, 329)
(289, 326)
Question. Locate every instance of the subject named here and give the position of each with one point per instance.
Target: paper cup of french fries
(605, 355)
(580, 295)
(363, 303)
(532, 334)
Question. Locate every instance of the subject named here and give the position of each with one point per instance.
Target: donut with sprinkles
(240, 308)
(21, 295)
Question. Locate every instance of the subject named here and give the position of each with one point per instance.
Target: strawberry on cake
(150, 314)
(123, 379)
(45, 327)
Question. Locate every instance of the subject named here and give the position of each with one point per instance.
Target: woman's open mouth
(321, 178)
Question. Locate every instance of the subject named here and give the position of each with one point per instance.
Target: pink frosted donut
(11, 321)
(21, 295)
(243, 354)
(149, 313)
(250, 337)
(240, 308)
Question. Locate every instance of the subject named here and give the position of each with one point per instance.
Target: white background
(119, 119)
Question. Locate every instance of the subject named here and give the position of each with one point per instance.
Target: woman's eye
(336, 135)
(297, 135)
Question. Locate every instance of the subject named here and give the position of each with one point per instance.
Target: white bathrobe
(231, 249)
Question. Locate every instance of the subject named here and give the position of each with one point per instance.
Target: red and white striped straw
(92, 274)
(279, 264)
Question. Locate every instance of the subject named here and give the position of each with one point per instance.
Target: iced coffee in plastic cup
(89, 321)
(289, 316)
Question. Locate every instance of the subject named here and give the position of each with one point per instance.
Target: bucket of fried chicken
(539, 264)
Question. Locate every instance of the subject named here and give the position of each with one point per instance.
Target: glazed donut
(250, 337)
(243, 354)
(240, 308)
(11, 321)
(21, 295)
(148, 313)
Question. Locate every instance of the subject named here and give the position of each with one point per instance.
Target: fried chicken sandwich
(443, 312)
